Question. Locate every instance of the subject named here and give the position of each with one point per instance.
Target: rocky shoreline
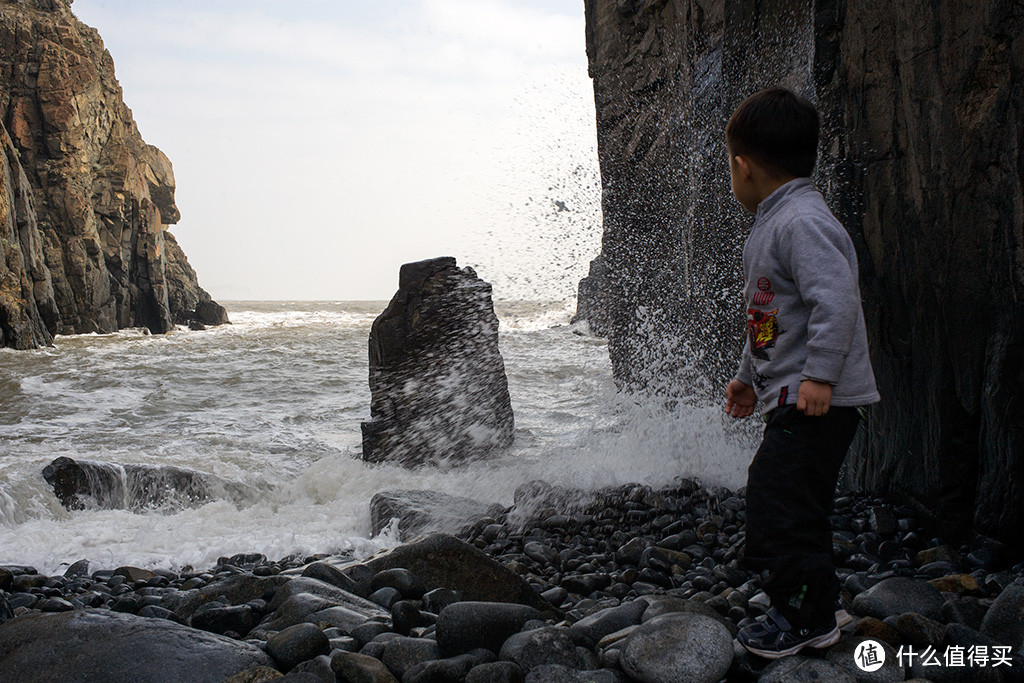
(625, 584)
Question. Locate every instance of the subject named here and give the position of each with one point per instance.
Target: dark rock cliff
(86, 202)
(921, 158)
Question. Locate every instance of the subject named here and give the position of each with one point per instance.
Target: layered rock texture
(85, 202)
(437, 379)
(921, 158)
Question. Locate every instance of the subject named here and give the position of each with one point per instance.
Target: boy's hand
(739, 399)
(814, 397)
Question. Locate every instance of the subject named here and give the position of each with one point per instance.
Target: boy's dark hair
(778, 129)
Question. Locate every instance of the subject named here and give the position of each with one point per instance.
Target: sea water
(275, 400)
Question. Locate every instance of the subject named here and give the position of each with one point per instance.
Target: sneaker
(774, 637)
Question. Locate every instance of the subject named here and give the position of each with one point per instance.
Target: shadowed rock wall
(923, 125)
(88, 199)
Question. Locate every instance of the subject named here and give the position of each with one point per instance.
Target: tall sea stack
(921, 159)
(85, 202)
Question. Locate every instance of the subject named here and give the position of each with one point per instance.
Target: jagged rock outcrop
(86, 202)
(437, 379)
(921, 158)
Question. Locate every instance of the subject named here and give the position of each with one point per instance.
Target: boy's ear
(743, 166)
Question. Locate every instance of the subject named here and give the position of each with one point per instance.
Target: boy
(805, 359)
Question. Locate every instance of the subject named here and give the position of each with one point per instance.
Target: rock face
(85, 202)
(437, 380)
(920, 159)
(82, 484)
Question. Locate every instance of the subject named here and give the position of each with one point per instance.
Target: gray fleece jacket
(804, 316)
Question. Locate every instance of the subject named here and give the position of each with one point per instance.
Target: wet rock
(956, 583)
(496, 672)
(402, 580)
(215, 618)
(442, 561)
(120, 647)
(77, 570)
(465, 626)
(876, 629)
(800, 669)
(883, 521)
(315, 670)
(899, 595)
(964, 610)
(82, 484)
(257, 674)
(546, 645)
(386, 597)
(357, 668)
(591, 629)
(918, 630)
(942, 553)
(6, 579)
(419, 511)
(336, 596)
(660, 605)
(449, 669)
(403, 653)
(439, 598)
(678, 647)
(339, 617)
(842, 655)
(296, 644)
(237, 590)
(328, 573)
(1004, 621)
(437, 379)
(558, 673)
(54, 605)
(6, 610)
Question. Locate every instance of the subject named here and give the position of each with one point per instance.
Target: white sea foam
(275, 401)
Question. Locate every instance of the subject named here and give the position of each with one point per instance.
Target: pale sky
(319, 144)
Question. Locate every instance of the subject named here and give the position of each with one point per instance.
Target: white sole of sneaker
(822, 641)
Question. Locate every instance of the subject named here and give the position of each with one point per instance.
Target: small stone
(54, 605)
(334, 576)
(403, 653)
(405, 616)
(898, 595)
(842, 655)
(559, 673)
(220, 619)
(540, 553)
(917, 630)
(496, 672)
(439, 598)
(546, 645)
(956, 583)
(593, 628)
(297, 644)
(401, 580)
(386, 597)
(449, 669)
(316, 670)
(800, 669)
(678, 647)
(465, 626)
(357, 668)
(257, 674)
(964, 610)
(942, 553)
(134, 574)
(876, 629)
(369, 630)
(77, 570)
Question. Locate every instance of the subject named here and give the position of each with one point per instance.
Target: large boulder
(82, 484)
(921, 149)
(422, 510)
(99, 645)
(437, 380)
(443, 561)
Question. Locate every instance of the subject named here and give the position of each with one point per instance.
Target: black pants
(790, 494)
